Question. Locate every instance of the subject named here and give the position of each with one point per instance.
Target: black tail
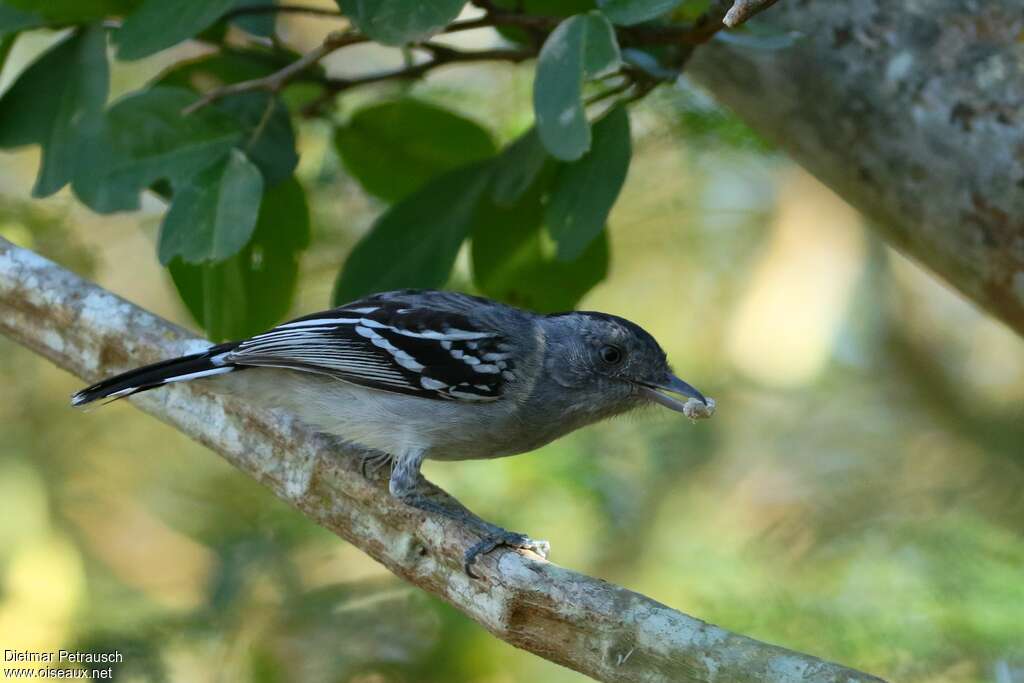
(205, 364)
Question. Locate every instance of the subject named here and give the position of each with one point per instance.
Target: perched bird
(418, 374)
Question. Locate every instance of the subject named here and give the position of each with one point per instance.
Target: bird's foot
(491, 536)
(501, 538)
(371, 462)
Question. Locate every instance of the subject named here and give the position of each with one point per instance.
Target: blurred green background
(858, 496)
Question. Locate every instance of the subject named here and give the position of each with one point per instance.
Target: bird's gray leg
(406, 484)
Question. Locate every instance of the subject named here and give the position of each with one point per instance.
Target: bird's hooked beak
(655, 392)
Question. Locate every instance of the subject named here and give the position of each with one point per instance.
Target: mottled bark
(594, 627)
(912, 111)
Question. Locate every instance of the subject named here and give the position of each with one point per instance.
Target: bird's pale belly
(396, 423)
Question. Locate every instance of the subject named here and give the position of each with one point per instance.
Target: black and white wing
(392, 345)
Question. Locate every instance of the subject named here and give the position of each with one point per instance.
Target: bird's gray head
(610, 363)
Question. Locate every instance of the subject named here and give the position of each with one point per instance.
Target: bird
(413, 374)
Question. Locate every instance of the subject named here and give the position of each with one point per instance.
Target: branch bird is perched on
(418, 374)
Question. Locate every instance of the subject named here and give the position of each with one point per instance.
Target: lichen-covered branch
(742, 10)
(914, 113)
(594, 627)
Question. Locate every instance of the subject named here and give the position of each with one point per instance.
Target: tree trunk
(914, 113)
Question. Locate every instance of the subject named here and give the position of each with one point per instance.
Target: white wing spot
(400, 356)
(432, 384)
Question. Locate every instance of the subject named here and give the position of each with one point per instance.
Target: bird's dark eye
(611, 355)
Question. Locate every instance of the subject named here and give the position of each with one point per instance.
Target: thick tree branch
(913, 113)
(594, 627)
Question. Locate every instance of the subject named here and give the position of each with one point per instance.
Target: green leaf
(393, 148)
(218, 69)
(397, 22)
(6, 43)
(252, 290)
(580, 47)
(548, 8)
(145, 138)
(517, 168)
(629, 12)
(269, 138)
(584, 191)
(213, 215)
(513, 260)
(54, 102)
(160, 24)
(261, 25)
(233, 65)
(415, 242)
(62, 12)
(13, 20)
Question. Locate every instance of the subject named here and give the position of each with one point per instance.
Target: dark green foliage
(585, 190)
(514, 261)
(517, 168)
(581, 47)
(214, 213)
(236, 223)
(393, 148)
(13, 20)
(396, 22)
(549, 8)
(257, 24)
(269, 138)
(629, 12)
(146, 138)
(415, 242)
(56, 103)
(65, 12)
(251, 290)
(160, 24)
(209, 71)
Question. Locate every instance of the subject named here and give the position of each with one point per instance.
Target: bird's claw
(502, 538)
(371, 463)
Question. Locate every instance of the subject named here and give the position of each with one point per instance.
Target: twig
(276, 81)
(444, 54)
(586, 624)
(441, 55)
(610, 92)
(686, 37)
(742, 10)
